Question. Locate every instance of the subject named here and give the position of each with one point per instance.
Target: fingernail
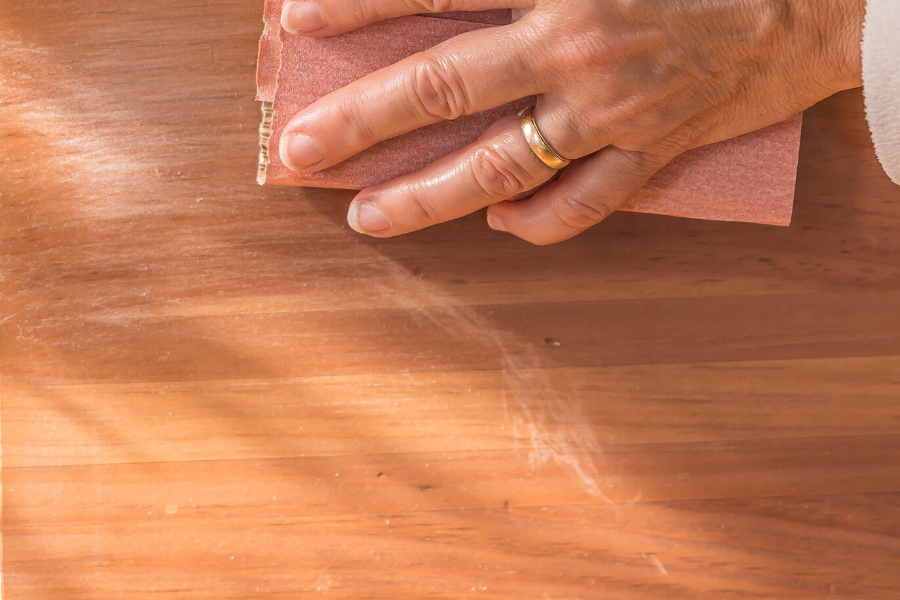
(495, 223)
(302, 17)
(366, 217)
(299, 151)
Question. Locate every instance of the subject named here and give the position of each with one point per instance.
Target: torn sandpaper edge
(265, 132)
(268, 64)
(750, 178)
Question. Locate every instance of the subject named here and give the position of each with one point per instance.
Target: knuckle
(589, 125)
(419, 208)
(431, 6)
(577, 210)
(585, 49)
(633, 141)
(638, 163)
(689, 135)
(364, 11)
(675, 144)
(359, 129)
(575, 52)
(631, 9)
(498, 175)
(438, 89)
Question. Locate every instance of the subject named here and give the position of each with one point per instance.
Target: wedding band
(539, 145)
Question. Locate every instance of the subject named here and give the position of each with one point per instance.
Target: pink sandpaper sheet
(750, 178)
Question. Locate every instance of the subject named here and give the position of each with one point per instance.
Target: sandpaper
(750, 178)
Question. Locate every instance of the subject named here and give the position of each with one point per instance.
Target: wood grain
(215, 390)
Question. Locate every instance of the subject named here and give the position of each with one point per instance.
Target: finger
(471, 73)
(331, 17)
(498, 166)
(572, 133)
(588, 191)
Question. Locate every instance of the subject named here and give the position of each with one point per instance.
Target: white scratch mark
(654, 560)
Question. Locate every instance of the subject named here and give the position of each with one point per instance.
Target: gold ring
(542, 149)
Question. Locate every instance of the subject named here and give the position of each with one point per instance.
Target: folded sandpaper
(750, 178)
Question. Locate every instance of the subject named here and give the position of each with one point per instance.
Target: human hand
(622, 86)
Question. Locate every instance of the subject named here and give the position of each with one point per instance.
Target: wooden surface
(216, 390)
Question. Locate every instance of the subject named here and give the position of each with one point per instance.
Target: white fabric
(881, 81)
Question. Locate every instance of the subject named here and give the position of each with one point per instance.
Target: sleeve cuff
(881, 81)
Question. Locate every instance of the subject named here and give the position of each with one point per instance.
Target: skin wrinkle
(439, 89)
(433, 6)
(649, 78)
(499, 174)
(577, 212)
(422, 211)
